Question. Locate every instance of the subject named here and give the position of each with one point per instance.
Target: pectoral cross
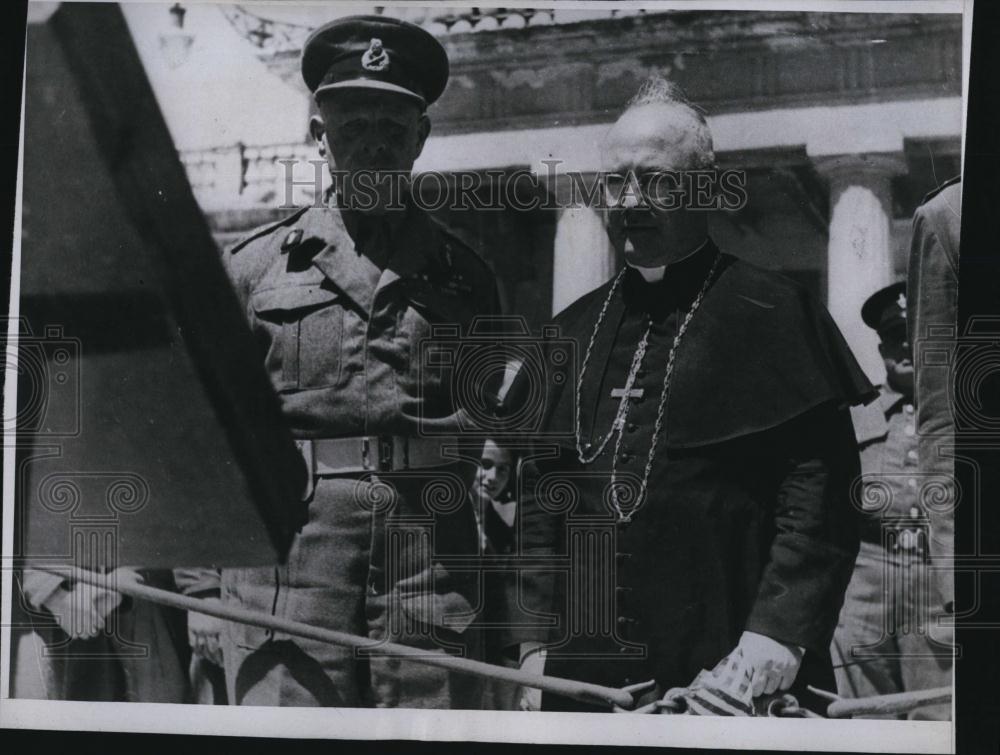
(633, 393)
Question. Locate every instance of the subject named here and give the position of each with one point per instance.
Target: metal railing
(273, 36)
(241, 175)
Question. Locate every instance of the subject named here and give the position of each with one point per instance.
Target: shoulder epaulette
(934, 192)
(263, 230)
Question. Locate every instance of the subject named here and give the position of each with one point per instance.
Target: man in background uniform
(884, 643)
(933, 309)
(340, 297)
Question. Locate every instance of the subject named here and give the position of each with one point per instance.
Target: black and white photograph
(588, 373)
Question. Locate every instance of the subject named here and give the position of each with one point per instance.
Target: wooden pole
(583, 691)
(899, 702)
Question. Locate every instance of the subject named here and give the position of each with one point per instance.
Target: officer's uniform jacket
(354, 350)
(887, 445)
(932, 298)
(341, 339)
(932, 286)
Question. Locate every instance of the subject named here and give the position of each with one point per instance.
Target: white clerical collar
(655, 274)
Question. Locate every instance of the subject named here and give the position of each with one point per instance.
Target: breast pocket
(434, 336)
(304, 328)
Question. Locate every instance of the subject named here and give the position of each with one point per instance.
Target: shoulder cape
(759, 352)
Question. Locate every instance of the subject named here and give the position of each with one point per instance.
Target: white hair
(657, 90)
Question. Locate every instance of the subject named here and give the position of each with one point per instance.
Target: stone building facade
(841, 122)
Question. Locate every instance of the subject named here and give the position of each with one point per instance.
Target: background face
(370, 131)
(898, 358)
(494, 471)
(645, 140)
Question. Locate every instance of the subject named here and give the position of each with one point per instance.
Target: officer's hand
(532, 661)
(427, 580)
(774, 664)
(205, 634)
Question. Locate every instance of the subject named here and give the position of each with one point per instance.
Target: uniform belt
(370, 453)
(904, 535)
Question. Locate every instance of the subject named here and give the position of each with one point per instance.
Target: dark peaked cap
(886, 307)
(375, 52)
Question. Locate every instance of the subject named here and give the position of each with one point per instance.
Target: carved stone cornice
(586, 72)
(578, 73)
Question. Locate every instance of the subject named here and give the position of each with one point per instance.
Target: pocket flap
(291, 297)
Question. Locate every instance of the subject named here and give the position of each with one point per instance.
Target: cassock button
(625, 458)
(631, 427)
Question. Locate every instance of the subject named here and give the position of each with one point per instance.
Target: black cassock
(747, 523)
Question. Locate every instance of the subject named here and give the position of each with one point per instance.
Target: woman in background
(493, 501)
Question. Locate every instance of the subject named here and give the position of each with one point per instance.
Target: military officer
(341, 297)
(884, 642)
(932, 277)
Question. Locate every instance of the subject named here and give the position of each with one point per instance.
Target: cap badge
(376, 58)
(901, 302)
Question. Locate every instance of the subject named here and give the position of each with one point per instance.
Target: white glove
(775, 664)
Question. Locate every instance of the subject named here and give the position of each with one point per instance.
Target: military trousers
(367, 561)
(887, 640)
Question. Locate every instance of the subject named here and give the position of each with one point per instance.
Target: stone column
(859, 260)
(583, 258)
